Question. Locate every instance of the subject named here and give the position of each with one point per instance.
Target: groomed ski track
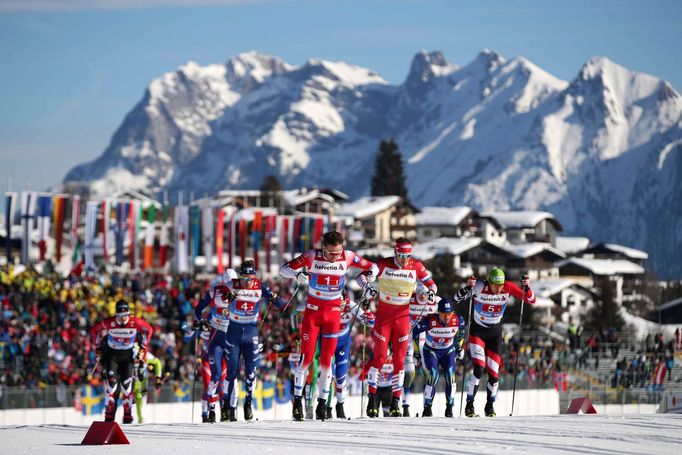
(583, 434)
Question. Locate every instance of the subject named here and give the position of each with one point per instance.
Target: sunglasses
(403, 255)
(332, 253)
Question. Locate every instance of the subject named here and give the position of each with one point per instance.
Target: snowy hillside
(602, 152)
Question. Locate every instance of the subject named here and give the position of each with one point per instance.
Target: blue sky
(70, 71)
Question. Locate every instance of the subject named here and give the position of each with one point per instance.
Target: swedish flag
(92, 400)
(182, 392)
(263, 394)
(283, 392)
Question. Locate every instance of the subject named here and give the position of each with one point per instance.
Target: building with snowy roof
(624, 277)
(434, 222)
(614, 251)
(526, 226)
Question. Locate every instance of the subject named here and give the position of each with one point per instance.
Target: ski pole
(466, 346)
(91, 373)
(196, 370)
(298, 286)
(362, 371)
(518, 350)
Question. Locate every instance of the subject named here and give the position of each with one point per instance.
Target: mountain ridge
(601, 151)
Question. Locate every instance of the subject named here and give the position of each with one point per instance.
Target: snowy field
(588, 434)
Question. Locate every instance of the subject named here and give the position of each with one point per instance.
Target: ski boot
(394, 410)
(231, 414)
(211, 416)
(372, 405)
(427, 412)
(448, 410)
(340, 413)
(223, 413)
(321, 409)
(489, 409)
(298, 409)
(248, 412)
(110, 413)
(127, 415)
(329, 413)
(204, 418)
(469, 409)
(406, 410)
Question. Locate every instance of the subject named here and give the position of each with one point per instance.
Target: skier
(203, 332)
(242, 334)
(114, 340)
(325, 276)
(144, 366)
(422, 303)
(444, 338)
(350, 311)
(397, 277)
(217, 298)
(485, 339)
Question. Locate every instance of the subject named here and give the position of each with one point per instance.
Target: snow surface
(441, 216)
(584, 434)
(571, 245)
(629, 252)
(605, 266)
(368, 206)
(519, 219)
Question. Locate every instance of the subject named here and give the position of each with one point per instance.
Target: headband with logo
(403, 248)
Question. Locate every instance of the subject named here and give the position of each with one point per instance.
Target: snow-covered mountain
(603, 152)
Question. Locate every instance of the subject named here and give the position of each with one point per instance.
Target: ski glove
(203, 326)
(471, 282)
(369, 319)
(302, 278)
(525, 282)
(431, 296)
(369, 293)
(460, 354)
(273, 299)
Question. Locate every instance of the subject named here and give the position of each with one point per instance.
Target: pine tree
(606, 313)
(271, 190)
(389, 177)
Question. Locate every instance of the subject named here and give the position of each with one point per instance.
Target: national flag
(149, 238)
(58, 222)
(182, 392)
(317, 232)
(181, 227)
(219, 235)
(44, 211)
(28, 208)
(231, 242)
(296, 241)
(106, 207)
(283, 392)
(207, 226)
(195, 229)
(90, 229)
(163, 237)
(132, 232)
(242, 238)
(10, 202)
(263, 394)
(92, 400)
(256, 235)
(75, 243)
(120, 229)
